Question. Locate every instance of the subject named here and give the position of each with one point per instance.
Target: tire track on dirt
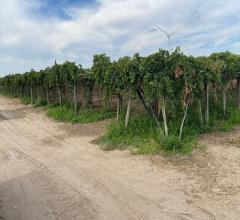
(58, 197)
(126, 194)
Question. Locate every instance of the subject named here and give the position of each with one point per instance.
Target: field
(53, 170)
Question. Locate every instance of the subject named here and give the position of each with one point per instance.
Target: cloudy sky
(34, 33)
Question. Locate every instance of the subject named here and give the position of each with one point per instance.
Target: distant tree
(99, 68)
(46, 78)
(121, 81)
(31, 79)
(224, 64)
(74, 75)
(60, 75)
(189, 81)
(237, 62)
(88, 81)
(208, 76)
(157, 81)
(133, 80)
(111, 80)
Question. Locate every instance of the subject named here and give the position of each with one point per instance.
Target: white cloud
(118, 28)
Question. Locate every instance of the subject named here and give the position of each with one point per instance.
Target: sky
(35, 33)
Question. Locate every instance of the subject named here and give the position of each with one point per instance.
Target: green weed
(66, 114)
(25, 100)
(143, 137)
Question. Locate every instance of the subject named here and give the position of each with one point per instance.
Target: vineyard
(163, 100)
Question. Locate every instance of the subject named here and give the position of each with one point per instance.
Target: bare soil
(52, 170)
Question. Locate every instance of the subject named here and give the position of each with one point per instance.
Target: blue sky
(34, 33)
(58, 8)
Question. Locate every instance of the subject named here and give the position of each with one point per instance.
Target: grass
(66, 114)
(143, 137)
(8, 94)
(36, 103)
(39, 103)
(25, 100)
(232, 119)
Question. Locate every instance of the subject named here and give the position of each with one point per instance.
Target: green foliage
(225, 64)
(66, 114)
(25, 100)
(99, 68)
(157, 73)
(227, 124)
(140, 128)
(39, 103)
(171, 144)
(143, 137)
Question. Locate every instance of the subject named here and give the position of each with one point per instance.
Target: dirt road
(51, 170)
